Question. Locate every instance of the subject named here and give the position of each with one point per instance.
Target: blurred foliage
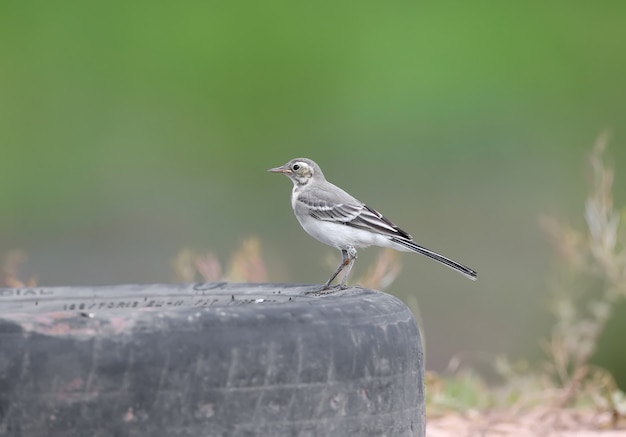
(588, 283)
(131, 129)
(246, 265)
(12, 271)
(591, 280)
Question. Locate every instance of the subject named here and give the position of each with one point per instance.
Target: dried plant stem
(596, 259)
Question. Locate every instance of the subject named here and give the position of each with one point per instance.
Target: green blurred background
(130, 130)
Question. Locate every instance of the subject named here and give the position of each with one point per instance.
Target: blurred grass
(588, 284)
(130, 130)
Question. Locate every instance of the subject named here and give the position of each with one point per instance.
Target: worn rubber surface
(213, 359)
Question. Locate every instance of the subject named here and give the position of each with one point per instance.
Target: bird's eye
(295, 167)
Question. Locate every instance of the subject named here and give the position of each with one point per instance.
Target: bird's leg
(344, 262)
(352, 256)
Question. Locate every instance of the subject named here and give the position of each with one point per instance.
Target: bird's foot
(327, 289)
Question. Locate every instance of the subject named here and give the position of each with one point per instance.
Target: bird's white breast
(337, 235)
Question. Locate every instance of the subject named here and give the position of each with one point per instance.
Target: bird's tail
(465, 271)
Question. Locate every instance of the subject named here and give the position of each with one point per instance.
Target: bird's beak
(280, 170)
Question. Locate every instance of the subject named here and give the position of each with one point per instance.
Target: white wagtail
(332, 216)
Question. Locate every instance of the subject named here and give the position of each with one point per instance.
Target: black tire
(214, 359)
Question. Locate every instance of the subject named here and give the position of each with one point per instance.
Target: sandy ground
(535, 423)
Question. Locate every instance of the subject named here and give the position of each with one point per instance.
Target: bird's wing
(350, 212)
(328, 210)
(372, 220)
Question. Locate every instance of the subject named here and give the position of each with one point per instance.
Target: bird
(334, 217)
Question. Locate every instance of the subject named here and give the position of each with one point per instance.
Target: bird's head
(300, 171)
